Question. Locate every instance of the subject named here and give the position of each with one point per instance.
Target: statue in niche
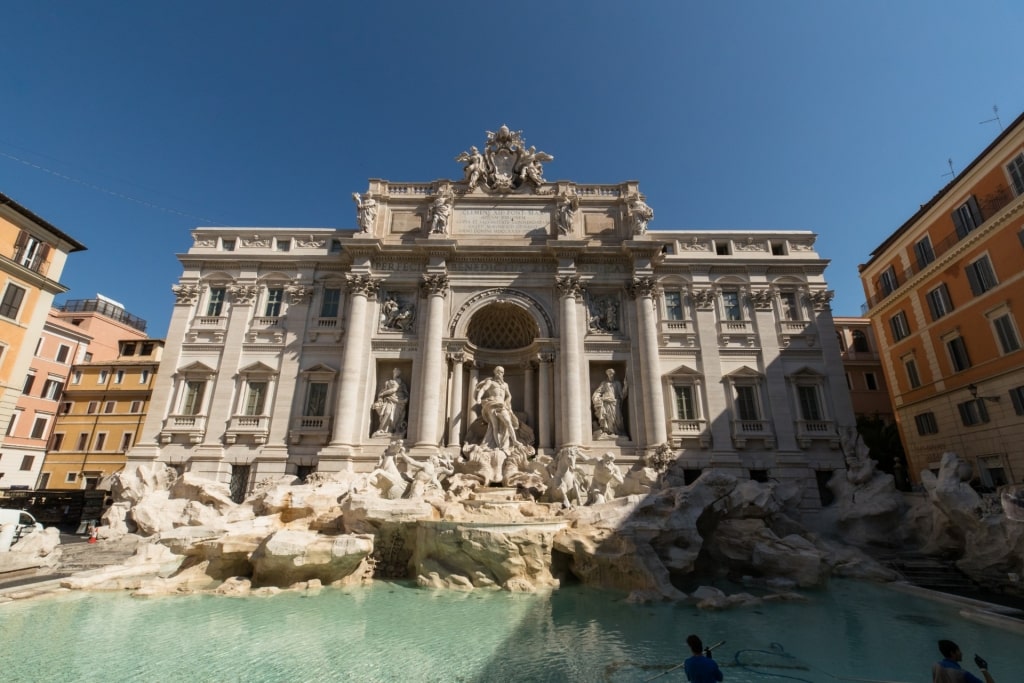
(390, 406)
(474, 168)
(386, 477)
(366, 211)
(607, 403)
(395, 315)
(604, 315)
(567, 479)
(640, 215)
(607, 476)
(425, 476)
(441, 211)
(566, 213)
(498, 442)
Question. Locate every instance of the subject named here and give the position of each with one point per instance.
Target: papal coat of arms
(506, 163)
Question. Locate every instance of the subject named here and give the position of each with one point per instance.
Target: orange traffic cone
(92, 534)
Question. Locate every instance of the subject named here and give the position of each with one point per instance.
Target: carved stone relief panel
(397, 311)
(604, 314)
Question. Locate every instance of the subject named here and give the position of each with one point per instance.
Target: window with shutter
(938, 302)
(967, 217)
(923, 251)
(980, 275)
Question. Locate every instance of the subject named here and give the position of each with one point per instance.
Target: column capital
(361, 284)
(642, 287)
(298, 293)
(242, 294)
(821, 299)
(456, 357)
(185, 294)
(762, 298)
(569, 285)
(703, 297)
(546, 357)
(436, 283)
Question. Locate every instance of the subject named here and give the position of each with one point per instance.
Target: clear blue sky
(127, 124)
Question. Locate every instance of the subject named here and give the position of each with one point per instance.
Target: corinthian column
(569, 289)
(431, 387)
(353, 360)
(643, 290)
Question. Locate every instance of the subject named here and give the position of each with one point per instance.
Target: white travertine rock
(34, 550)
(290, 556)
(207, 491)
(132, 485)
(156, 513)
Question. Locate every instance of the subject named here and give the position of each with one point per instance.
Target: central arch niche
(502, 326)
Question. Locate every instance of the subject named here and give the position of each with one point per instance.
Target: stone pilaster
(353, 362)
(455, 404)
(544, 411)
(474, 378)
(643, 290)
(569, 291)
(430, 392)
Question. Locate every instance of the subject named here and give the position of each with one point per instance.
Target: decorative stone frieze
(750, 245)
(255, 242)
(205, 242)
(695, 244)
(310, 243)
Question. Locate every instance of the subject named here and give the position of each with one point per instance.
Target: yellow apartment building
(32, 257)
(101, 416)
(946, 298)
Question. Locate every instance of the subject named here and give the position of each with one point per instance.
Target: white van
(13, 525)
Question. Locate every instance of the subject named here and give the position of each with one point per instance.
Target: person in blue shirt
(700, 668)
(949, 671)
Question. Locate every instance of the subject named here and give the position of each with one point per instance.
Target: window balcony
(678, 333)
(190, 426)
(743, 430)
(801, 331)
(809, 431)
(736, 332)
(314, 429)
(689, 432)
(255, 428)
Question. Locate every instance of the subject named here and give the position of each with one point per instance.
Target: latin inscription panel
(482, 220)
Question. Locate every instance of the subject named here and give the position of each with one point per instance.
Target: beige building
(294, 350)
(869, 393)
(946, 292)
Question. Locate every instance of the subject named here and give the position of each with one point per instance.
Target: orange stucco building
(946, 297)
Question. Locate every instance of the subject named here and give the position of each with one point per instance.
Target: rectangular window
(66, 407)
(101, 441)
(62, 353)
(790, 308)
(924, 252)
(332, 300)
(102, 377)
(118, 376)
(128, 349)
(51, 389)
(284, 245)
(136, 407)
(56, 441)
(1017, 398)
(39, 346)
(39, 427)
(888, 281)
(30, 251)
(673, 306)
(912, 376)
(26, 462)
(215, 303)
(256, 398)
(958, 354)
(980, 275)
(898, 325)
(746, 403)
(731, 305)
(11, 303)
(722, 247)
(108, 407)
(193, 401)
(967, 217)
(147, 349)
(93, 407)
(685, 408)
(810, 407)
(83, 440)
(88, 357)
(938, 302)
(77, 377)
(126, 442)
(1016, 170)
(926, 424)
(1006, 333)
(316, 400)
(228, 245)
(870, 381)
(973, 412)
(274, 297)
(335, 247)
(144, 377)
(27, 387)
(71, 477)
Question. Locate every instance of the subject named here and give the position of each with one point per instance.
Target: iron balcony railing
(105, 308)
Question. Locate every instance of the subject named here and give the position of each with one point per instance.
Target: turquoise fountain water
(397, 632)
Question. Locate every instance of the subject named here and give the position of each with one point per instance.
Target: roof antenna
(995, 110)
(952, 173)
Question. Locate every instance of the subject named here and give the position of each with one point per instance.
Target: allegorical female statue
(390, 406)
(607, 404)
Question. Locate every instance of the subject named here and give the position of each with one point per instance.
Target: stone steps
(78, 557)
(932, 573)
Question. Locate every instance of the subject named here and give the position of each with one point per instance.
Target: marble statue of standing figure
(567, 208)
(441, 212)
(607, 403)
(390, 406)
(366, 211)
(474, 169)
(640, 215)
(495, 401)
